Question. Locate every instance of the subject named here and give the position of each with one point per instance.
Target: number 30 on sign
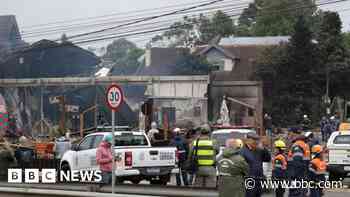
(114, 97)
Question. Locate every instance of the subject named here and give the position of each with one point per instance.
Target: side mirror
(75, 147)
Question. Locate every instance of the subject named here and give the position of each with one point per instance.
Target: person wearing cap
(317, 170)
(182, 149)
(203, 154)
(306, 123)
(310, 139)
(104, 159)
(153, 131)
(232, 170)
(298, 162)
(255, 153)
(279, 165)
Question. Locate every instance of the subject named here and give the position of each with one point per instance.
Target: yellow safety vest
(205, 152)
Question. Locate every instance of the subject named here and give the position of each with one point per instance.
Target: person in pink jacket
(104, 159)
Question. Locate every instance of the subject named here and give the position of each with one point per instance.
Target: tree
(275, 17)
(123, 53)
(200, 29)
(220, 25)
(347, 40)
(334, 56)
(124, 57)
(287, 72)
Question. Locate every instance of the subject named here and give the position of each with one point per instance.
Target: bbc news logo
(52, 176)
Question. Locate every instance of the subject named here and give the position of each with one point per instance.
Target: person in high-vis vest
(298, 162)
(203, 153)
(232, 170)
(279, 166)
(317, 170)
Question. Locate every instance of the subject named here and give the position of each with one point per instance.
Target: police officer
(298, 162)
(232, 171)
(255, 153)
(317, 170)
(279, 165)
(203, 154)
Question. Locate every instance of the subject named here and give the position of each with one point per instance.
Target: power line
(132, 33)
(54, 31)
(147, 19)
(110, 15)
(79, 27)
(179, 26)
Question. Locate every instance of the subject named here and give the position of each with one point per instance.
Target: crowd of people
(328, 125)
(299, 157)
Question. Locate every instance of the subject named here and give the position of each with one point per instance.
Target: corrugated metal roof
(267, 40)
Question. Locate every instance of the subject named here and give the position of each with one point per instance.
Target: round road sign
(114, 96)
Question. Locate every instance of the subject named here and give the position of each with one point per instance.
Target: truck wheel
(135, 181)
(334, 177)
(65, 167)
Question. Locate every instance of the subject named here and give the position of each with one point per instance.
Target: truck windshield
(342, 139)
(128, 139)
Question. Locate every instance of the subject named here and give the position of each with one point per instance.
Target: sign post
(114, 99)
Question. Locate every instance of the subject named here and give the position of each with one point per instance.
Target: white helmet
(308, 134)
(305, 116)
(154, 125)
(177, 130)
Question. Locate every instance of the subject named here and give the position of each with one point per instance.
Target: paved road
(344, 193)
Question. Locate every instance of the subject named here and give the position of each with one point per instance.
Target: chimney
(148, 56)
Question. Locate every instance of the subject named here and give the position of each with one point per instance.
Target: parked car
(136, 159)
(338, 155)
(221, 135)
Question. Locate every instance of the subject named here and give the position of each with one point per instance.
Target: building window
(250, 112)
(197, 111)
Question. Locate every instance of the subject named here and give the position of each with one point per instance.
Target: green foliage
(294, 75)
(334, 55)
(185, 31)
(275, 17)
(123, 53)
(346, 37)
(288, 77)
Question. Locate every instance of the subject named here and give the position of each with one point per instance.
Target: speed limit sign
(114, 96)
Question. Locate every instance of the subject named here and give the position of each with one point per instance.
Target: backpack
(181, 148)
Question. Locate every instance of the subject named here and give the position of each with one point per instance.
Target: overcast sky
(34, 12)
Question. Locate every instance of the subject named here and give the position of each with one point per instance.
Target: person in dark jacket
(279, 166)
(182, 147)
(298, 162)
(255, 154)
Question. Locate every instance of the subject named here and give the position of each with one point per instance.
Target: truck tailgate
(148, 157)
(339, 155)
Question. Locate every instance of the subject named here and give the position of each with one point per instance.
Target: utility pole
(63, 114)
(327, 100)
(42, 112)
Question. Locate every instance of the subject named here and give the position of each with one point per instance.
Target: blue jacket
(180, 143)
(255, 160)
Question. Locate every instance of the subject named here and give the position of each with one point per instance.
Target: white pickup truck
(338, 149)
(136, 160)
